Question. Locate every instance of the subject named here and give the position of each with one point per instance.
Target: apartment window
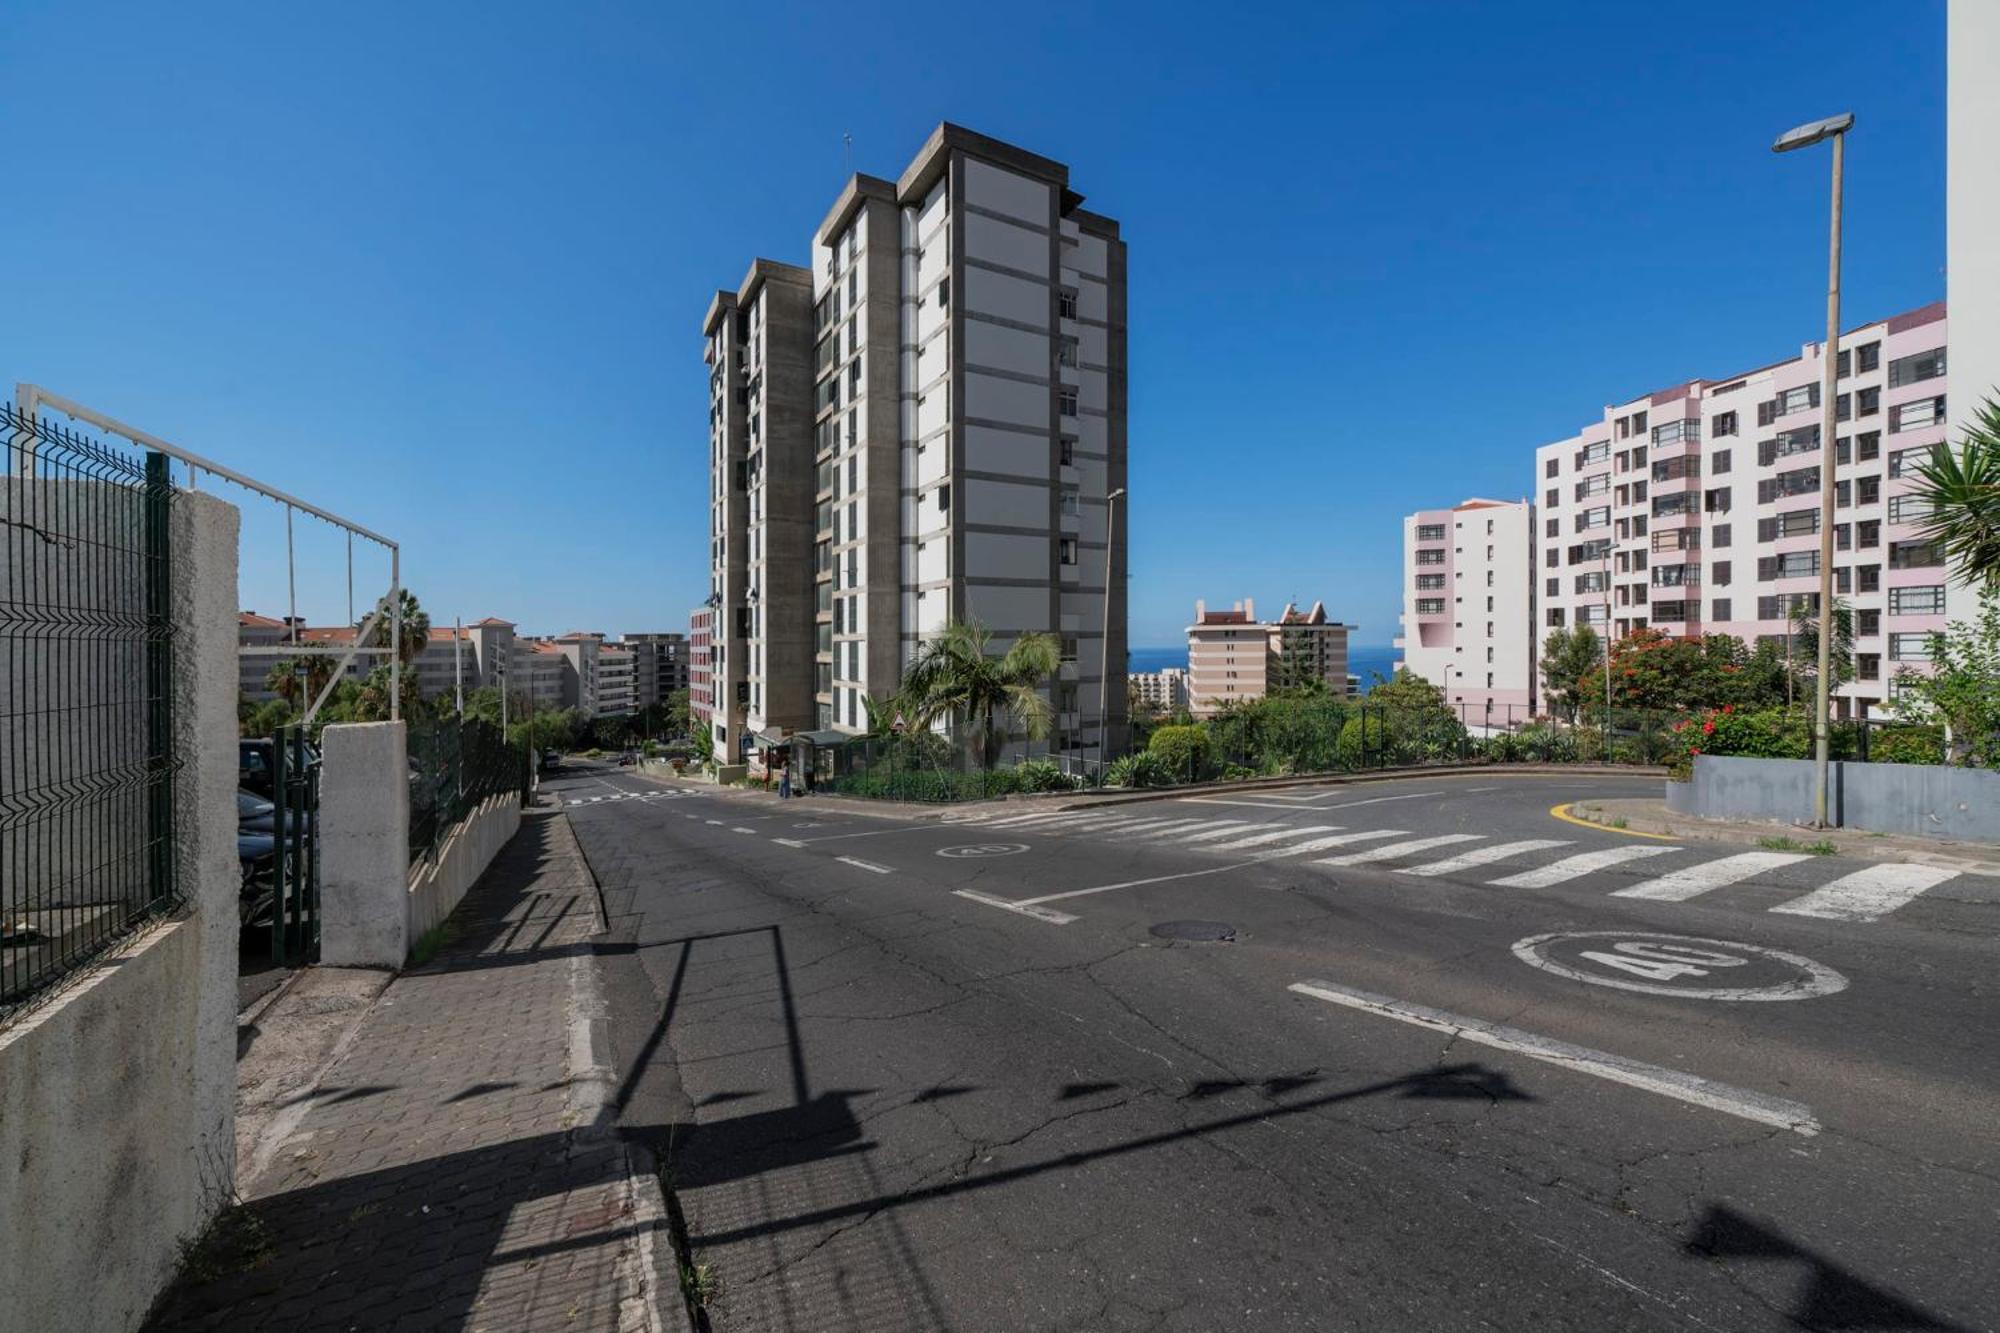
(1066, 402)
(1782, 607)
(1551, 468)
(1909, 647)
(1552, 528)
(1917, 601)
(1552, 587)
(944, 293)
(1719, 574)
(1676, 432)
(1716, 501)
(1430, 582)
(1670, 506)
(1868, 533)
(1552, 497)
(1908, 509)
(944, 498)
(1718, 536)
(1905, 461)
(1066, 350)
(1596, 485)
(1867, 624)
(1870, 578)
(1867, 402)
(1066, 302)
(1071, 499)
(1430, 532)
(1718, 462)
(1068, 549)
(1719, 609)
(1798, 523)
(1430, 606)
(1555, 617)
(1595, 581)
(1723, 423)
(1798, 400)
(1868, 666)
(1592, 453)
(1552, 558)
(1867, 357)
(1594, 518)
(1069, 647)
(1867, 490)
(1843, 537)
(1066, 450)
(1430, 557)
(1800, 481)
(1915, 369)
(1915, 416)
(1793, 565)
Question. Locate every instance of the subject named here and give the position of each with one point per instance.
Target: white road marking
(1693, 881)
(716, 822)
(1867, 895)
(1007, 821)
(1570, 867)
(1132, 826)
(863, 865)
(1481, 856)
(576, 802)
(1048, 914)
(1339, 840)
(1134, 883)
(788, 842)
(595, 799)
(1273, 835)
(1218, 800)
(1379, 800)
(740, 829)
(1396, 849)
(870, 833)
(1167, 829)
(1755, 1106)
(1210, 829)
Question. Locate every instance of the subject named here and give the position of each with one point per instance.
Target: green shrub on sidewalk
(1183, 751)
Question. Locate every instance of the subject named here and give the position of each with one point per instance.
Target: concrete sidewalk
(451, 1166)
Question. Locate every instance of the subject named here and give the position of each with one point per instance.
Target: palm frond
(1961, 490)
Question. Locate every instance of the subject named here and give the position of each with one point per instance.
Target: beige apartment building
(1233, 657)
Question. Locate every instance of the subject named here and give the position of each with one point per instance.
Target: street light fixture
(1834, 128)
(1104, 644)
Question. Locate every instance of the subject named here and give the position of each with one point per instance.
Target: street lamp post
(1834, 128)
(1104, 644)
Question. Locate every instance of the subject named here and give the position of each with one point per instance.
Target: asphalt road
(1399, 1055)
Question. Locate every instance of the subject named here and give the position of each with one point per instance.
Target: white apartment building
(1165, 690)
(1696, 509)
(923, 426)
(1468, 622)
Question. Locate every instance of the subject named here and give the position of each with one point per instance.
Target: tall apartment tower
(1695, 509)
(927, 424)
(1469, 607)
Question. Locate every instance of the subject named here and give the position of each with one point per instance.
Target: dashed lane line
(863, 865)
(1741, 1102)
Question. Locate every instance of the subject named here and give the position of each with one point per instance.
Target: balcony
(1677, 576)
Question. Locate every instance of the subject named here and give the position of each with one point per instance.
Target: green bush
(1183, 751)
(1237, 773)
(1139, 770)
(1044, 775)
(1906, 745)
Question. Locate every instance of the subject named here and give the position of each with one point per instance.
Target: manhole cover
(1199, 932)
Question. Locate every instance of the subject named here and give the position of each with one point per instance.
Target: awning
(772, 736)
(822, 739)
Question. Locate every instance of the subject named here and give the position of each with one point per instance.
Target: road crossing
(1853, 895)
(665, 793)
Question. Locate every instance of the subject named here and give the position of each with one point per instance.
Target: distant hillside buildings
(1233, 657)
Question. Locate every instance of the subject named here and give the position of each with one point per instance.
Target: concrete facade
(1648, 516)
(117, 1094)
(1972, 201)
(364, 857)
(701, 664)
(1468, 622)
(965, 409)
(1924, 800)
(1165, 691)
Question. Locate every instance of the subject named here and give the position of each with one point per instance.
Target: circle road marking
(984, 849)
(1662, 958)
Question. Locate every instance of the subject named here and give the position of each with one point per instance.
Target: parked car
(551, 760)
(256, 764)
(627, 759)
(254, 814)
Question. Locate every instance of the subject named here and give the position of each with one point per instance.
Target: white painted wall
(1972, 203)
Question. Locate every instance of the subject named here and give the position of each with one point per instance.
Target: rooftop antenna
(847, 153)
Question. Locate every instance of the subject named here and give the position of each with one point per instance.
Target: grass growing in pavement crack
(700, 1284)
(428, 943)
(235, 1242)
(1781, 843)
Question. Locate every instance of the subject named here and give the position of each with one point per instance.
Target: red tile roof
(250, 619)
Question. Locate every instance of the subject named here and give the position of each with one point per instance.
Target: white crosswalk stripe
(1869, 894)
(1693, 881)
(1312, 845)
(1398, 849)
(1273, 835)
(1573, 867)
(1211, 829)
(1482, 856)
(1165, 829)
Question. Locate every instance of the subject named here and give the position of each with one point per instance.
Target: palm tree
(416, 630)
(283, 679)
(1962, 492)
(954, 676)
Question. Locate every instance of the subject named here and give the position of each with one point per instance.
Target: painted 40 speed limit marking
(1680, 965)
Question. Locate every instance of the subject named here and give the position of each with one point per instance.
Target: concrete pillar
(364, 830)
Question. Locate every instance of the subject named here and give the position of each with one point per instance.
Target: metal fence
(87, 754)
(454, 765)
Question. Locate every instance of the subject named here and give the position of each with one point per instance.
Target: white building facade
(1468, 622)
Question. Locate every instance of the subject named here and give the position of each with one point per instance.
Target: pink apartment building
(1234, 658)
(1468, 607)
(1695, 509)
(701, 664)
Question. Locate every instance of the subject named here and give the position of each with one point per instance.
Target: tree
(954, 676)
(1568, 655)
(1962, 492)
(1295, 667)
(416, 630)
(1962, 689)
(285, 678)
(265, 718)
(1805, 645)
(678, 715)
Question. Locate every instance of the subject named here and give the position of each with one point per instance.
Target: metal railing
(88, 759)
(454, 765)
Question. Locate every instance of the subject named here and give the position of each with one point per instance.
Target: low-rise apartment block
(1163, 691)
(1234, 658)
(1696, 509)
(1468, 622)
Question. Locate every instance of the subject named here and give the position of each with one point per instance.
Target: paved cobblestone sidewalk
(448, 1172)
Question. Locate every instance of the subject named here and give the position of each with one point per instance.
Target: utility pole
(1805, 136)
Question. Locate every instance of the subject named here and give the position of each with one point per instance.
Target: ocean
(1363, 660)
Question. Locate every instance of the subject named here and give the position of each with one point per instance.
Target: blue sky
(441, 267)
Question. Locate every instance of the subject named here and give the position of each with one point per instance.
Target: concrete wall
(1921, 799)
(117, 1096)
(439, 884)
(364, 830)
